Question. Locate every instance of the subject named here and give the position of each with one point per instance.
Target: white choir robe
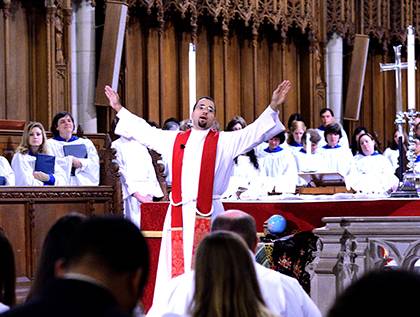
(244, 175)
(88, 174)
(313, 162)
(371, 174)
(6, 171)
(292, 147)
(336, 160)
(392, 156)
(23, 166)
(344, 140)
(137, 174)
(280, 168)
(230, 145)
(282, 295)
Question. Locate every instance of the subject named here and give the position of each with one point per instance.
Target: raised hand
(114, 99)
(280, 94)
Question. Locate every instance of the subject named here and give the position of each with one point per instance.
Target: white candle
(192, 75)
(308, 144)
(411, 80)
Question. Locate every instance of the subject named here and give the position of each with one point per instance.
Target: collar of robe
(417, 159)
(59, 138)
(321, 127)
(275, 150)
(331, 147)
(294, 143)
(373, 154)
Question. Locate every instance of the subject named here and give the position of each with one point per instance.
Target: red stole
(204, 195)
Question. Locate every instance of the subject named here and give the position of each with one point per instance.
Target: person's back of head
(225, 279)
(238, 222)
(379, 293)
(7, 271)
(56, 247)
(113, 251)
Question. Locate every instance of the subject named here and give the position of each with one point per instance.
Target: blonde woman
(32, 147)
(294, 138)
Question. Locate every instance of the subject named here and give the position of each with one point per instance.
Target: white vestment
(6, 171)
(312, 162)
(24, 165)
(280, 168)
(88, 174)
(137, 174)
(336, 160)
(371, 174)
(282, 295)
(229, 146)
(344, 140)
(392, 156)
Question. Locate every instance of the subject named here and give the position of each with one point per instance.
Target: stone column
(334, 75)
(84, 69)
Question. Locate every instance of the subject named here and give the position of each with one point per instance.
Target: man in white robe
(229, 146)
(282, 294)
(137, 175)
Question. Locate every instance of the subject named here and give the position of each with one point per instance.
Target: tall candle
(192, 75)
(308, 144)
(411, 80)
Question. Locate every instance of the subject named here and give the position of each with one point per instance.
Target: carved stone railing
(349, 246)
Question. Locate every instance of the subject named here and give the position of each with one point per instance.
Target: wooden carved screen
(239, 60)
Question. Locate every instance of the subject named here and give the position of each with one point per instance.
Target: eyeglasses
(208, 108)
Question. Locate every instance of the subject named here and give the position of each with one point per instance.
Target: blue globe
(276, 224)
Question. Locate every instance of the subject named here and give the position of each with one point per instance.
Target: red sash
(204, 196)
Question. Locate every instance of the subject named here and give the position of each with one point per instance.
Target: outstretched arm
(280, 94)
(114, 99)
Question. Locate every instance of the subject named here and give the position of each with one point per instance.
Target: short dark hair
(116, 242)
(294, 117)
(333, 128)
(204, 97)
(244, 225)
(281, 136)
(324, 110)
(54, 123)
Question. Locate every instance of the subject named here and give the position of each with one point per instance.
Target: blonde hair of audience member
(25, 146)
(225, 279)
(297, 129)
(314, 138)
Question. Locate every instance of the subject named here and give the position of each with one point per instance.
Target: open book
(323, 179)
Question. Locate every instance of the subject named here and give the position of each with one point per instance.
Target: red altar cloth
(300, 216)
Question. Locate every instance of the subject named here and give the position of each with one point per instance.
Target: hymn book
(45, 163)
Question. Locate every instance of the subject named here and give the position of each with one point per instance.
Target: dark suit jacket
(70, 298)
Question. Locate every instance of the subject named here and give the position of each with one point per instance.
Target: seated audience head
(62, 125)
(112, 251)
(327, 116)
(294, 117)
(239, 222)
(237, 123)
(171, 124)
(276, 140)
(55, 251)
(394, 142)
(225, 279)
(7, 272)
(417, 143)
(379, 293)
(367, 144)
(204, 113)
(355, 138)
(314, 138)
(332, 134)
(297, 129)
(34, 139)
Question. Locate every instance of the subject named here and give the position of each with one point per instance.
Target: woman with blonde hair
(294, 138)
(32, 163)
(225, 279)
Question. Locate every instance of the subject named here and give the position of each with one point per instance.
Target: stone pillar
(349, 246)
(84, 55)
(334, 75)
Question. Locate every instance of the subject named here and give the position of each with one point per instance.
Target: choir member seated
(7, 177)
(371, 172)
(77, 156)
(33, 163)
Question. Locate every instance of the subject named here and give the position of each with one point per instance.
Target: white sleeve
(90, 165)
(23, 167)
(7, 171)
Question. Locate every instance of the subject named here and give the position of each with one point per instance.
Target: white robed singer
(6, 171)
(138, 177)
(229, 146)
